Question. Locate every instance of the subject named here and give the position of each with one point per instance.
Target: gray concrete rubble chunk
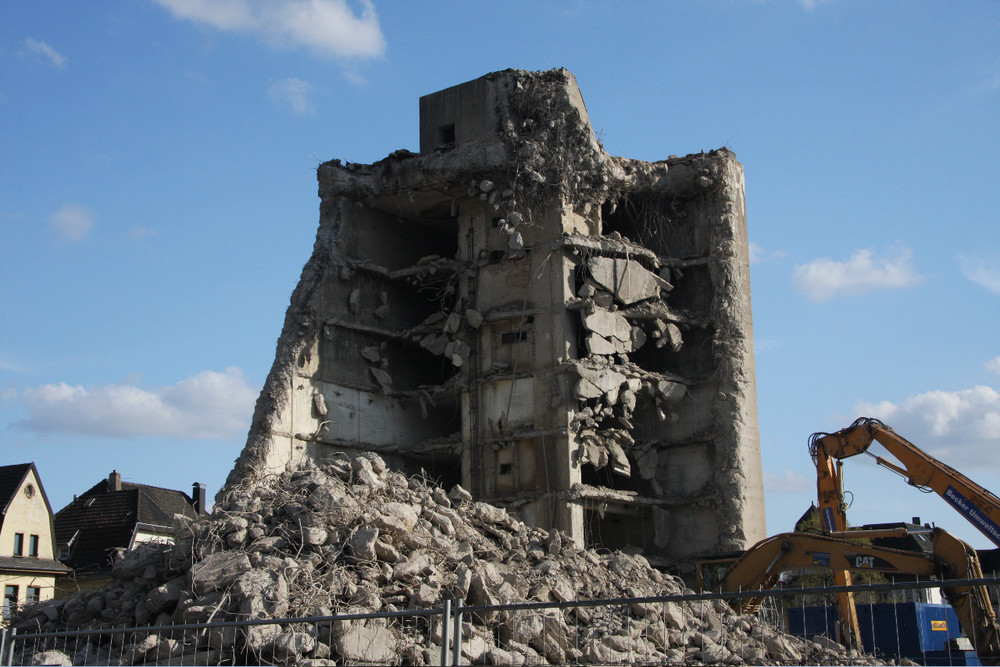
(218, 571)
(627, 279)
(354, 301)
(383, 378)
(609, 325)
(618, 459)
(453, 322)
(371, 353)
(586, 390)
(600, 346)
(672, 335)
(165, 597)
(365, 642)
(362, 543)
(319, 404)
(457, 493)
(609, 382)
(671, 392)
(399, 517)
(417, 564)
(474, 318)
(51, 657)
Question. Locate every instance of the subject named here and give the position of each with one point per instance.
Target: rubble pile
(346, 536)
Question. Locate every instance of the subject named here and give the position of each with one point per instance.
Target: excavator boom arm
(980, 507)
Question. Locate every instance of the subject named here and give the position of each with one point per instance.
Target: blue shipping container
(915, 630)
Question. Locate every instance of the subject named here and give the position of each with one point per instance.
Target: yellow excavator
(760, 567)
(980, 507)
(977, 504)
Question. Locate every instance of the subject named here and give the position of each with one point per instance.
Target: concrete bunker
(565, 333)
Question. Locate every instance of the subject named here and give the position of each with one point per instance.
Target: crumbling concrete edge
(736, 400)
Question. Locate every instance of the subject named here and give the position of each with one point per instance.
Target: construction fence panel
(665, 630)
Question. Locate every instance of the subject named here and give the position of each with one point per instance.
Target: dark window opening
(9, 600)
(33, 546)
(506, 468)
(18, 544)
(619, 530)
(608, 479)
(511, 337)
(33, 594)
(446, 135)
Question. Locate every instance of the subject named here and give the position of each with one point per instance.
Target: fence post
(445, 631)
(3, 644)
(9, 653)
(456, 636)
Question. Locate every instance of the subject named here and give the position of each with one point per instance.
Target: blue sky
(158, 201)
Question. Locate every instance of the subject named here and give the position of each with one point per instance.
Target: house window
(18, 544)
(34, 594)
(33, 546)
(9, 600)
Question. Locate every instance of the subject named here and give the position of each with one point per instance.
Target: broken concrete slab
(626, 279)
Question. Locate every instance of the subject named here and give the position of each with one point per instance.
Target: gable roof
(11, 478)
(102, 520)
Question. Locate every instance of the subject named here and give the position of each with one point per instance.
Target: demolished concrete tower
(565, 333)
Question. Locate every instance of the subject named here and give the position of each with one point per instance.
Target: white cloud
(42, 49)
(72, 222)
(960, 427)
(759, 254)
(295, 94)
(993, 365)
(787, 481)
(824, 278)
(328, 28)
(208, 405)
(981, 272)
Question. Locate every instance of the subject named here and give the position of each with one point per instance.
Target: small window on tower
(446, 135)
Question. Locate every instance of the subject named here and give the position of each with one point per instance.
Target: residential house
(115, 515)
(28, 568)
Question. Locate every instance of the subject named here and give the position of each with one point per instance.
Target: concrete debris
(319, 404)
(383, 378)
(627, 279)
(354, 301)
(343, 536)
(474, 318)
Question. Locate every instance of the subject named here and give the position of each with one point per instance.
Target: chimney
(198, 494)
(114, 481)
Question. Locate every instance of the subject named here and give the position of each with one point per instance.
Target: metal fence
(572, 632)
